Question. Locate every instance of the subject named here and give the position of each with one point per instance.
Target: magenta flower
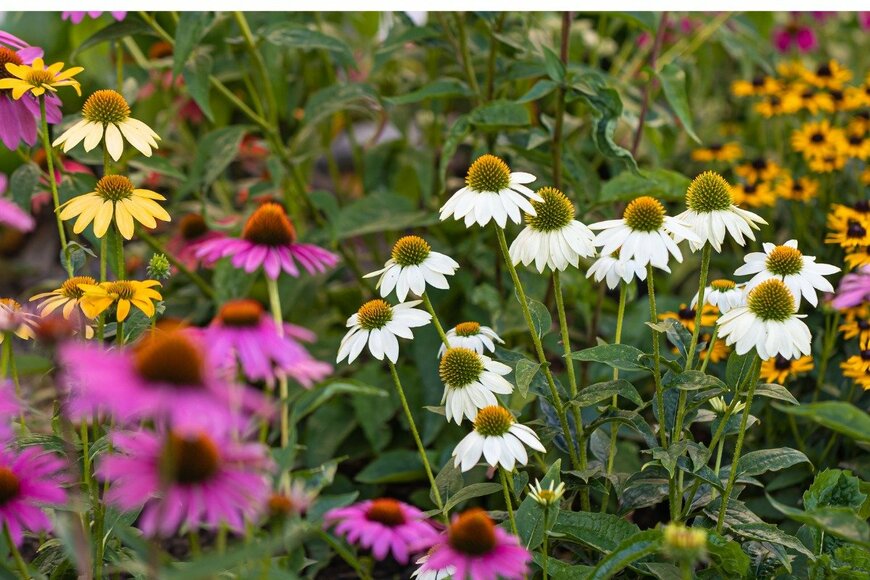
(10, 407)
(192, 476)
(384, 525)
(475, 548)
(13, 216)
(794, 35)
(29, 480)
(76, 17)
(166, 375)
(19, 118)
(864, 20)
(268, 241)
(243, 333)
(854, 289)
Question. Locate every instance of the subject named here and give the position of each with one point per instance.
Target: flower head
(759, 169)
(767, 323)
(106, 117)
(36, 78)
(29, 481)
(817, 139)
(548, 496)
(19, 117)
(123, 293)
(723, 294)
(801, 274)
(686, 544)
(474, 547)
(721, 152)
(711, 213)
(412, 266)
(854, 289)
(384, 526)
(610, 268)
(780, 369)
(14, 217)
(471, 335)
(800, 189)
(15, 320)
(77, 16)
(828, 75)
(552, 237)
(686, 316)
(720, 406)
(67, 296)
(378, 324)
(470, 381)
(857, 368)
(189, 476)
(268, 241)
(491, 192)
(754, 194)
(498, 438)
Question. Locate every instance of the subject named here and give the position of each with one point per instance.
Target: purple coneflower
(13, 216)
(476, 548)
(854, 289)
(192, 231)
(29, 480)
(242, 332)
(166, 375)
(187, 476)
(77, 16)
(268, 241)
(384, 525)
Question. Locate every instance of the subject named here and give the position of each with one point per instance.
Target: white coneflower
(610, 268)
(768, 323)
(720, 406)
(421, 574)
(800, 273)
(711, 213)
(378, 324)
(552, 237)
(106, 115)
(548, 496)
(470, 381)
(411, 267)
(491, 192)
(723, 294)
(643, 234)
(472, 335)
(498, 438)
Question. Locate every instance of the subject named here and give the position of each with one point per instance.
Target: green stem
(13, 371)
(16, 555)
(657, 373)
(699, 308)
(614, 429)
(559, 121)
(345, 555)
(542, 357)
(545, 546)
(259, 64)
(198, 280)
(741, 433)
(465, 56)
(52, 182)
(569, 363)
(440, 329)
(119, 65)
(420, 448)
(283, 390)
(509, 506)
(686, 570)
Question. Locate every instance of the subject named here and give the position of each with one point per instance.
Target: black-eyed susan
(753, 194)
(812, 99)
(106, 117)
(123, 293)
(686, 316)
(36, 78)
(757, 86)
(857, 365)
(856, 324)
(858, 257)
(848, 233)
(115, 199)
(722, 152)
(68, 296)
(857, 97)
(790, 70)
(779, 369)
(783, 103)
(860, 123)
(720, 349)
(857, 146)
(818, 139)
(839, 101)
(828, 163)
(800, 189)
(759, 169)
(829, 75)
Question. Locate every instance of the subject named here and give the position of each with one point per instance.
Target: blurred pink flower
(854, 289)
(76, 17)
(29, 480)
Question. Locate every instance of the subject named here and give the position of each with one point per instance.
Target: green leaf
(541, 318)
(769, 533)
(840, 522)
(606, 110)
(471, 491)
(295, 36)
(215, 153)
(190, 31)
(603, 532)
(774, 391)
(541, 89)
(342, 97)
(458, 131)
(561, 570)
(738, 368)
(673, 79)
(662, 184)
(500, 113)
(197, 81)
(157, 164)
(553, 65)
(314, 398)
(524, 373)
(396, 466)
(130, 26)
(605, 391)
(844, 418)
(627, 552)
(694, 381)
(381, 212)
(834, 487)
(23, 183)
(764, 460)
(727, 555)
(530, 517)
(618, 356)
(448, 481)
(440, 89)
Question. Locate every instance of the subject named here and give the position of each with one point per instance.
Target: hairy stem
(440, 329)
(283, 391)
(52, 182)
(614, 428)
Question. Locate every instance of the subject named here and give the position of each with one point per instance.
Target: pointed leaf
(673, 79)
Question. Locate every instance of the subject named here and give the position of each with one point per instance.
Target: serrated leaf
(627, 552)
(840, 522)
(524, 373)
(834, 487)
(764, 460)
(191, 29)
(292, 35)
(762, 532)
(844, 418)
(673, 80)
(618, 356)
(727, 555)
(472, 491)
(603, 532)
(605, 391)
(774, 391)
(439, 89)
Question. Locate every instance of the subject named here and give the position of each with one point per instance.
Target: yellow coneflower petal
(93, 136)
(124, 220)
(152, 207)
(8, 83)
(70, 72)
(142, 216)
(68, 308)
(123, 309)
(135, 138)
(87, 216)
(93, 306)
(19, 90)
(103, 219)
(17, 69)
(71, 136)
(145, 306)
(77, 204)
(147, 193)
(114, 141)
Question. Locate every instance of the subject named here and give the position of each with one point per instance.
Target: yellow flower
(753, 194)
(858, 367)
(840, 102)
(856, 324)
(759, 169)
(114, 198)
(848, 227)
(718, 152)
(719, 352)
(37, 79)
(790, 70)
(686, 316)
(860, 123)
(759, 85)
(779, 369)
(830, 75)
(784, 103)
(858, 257)
(857, 146)
(801, 189)
(818, 140)
(812, 99)
(14, 320)
(828, 163)
(68, 295)
(857, 97)
(98, 297)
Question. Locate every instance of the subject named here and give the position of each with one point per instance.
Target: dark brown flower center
(757, 82)
(817, 137)
(8, 56)
(169, 357)
(71, 289)
(824, 71)
(192, 226)
(190, 459)
(687, 314)
(472, 533)
(10, 485)
(269, 226)
(759, 164)
(243, 312)
(855, 230)
(386, 511)
(468, 328)
(280, 506)
(781, 363)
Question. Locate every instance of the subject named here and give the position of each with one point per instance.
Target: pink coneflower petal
(32, 478)
(14, 217)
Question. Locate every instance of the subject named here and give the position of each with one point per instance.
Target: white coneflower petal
(377, 324)
(613, 271)
(498, 438)
(412, 266)
(723, 294)
(471, 381)
(471, 335)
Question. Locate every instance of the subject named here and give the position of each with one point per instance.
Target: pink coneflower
(191, 232)
(29, 480)
(384, 525)
(166, 375)
(268, 241)
(190, 476)
(14, 217)
(76, 17)
(475, 548)
(10, 407)
(15, 320)
(243, 333)
(854, 289)
(19, 117)
(42, 197)
(794, 34)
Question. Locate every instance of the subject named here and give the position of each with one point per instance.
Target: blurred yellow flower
(800, 189)
(829, 75)
(779, 369)
(753, 194)
(37, 78)
(818, 140)
(724, 152)
(759, 169)
(759, 85)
